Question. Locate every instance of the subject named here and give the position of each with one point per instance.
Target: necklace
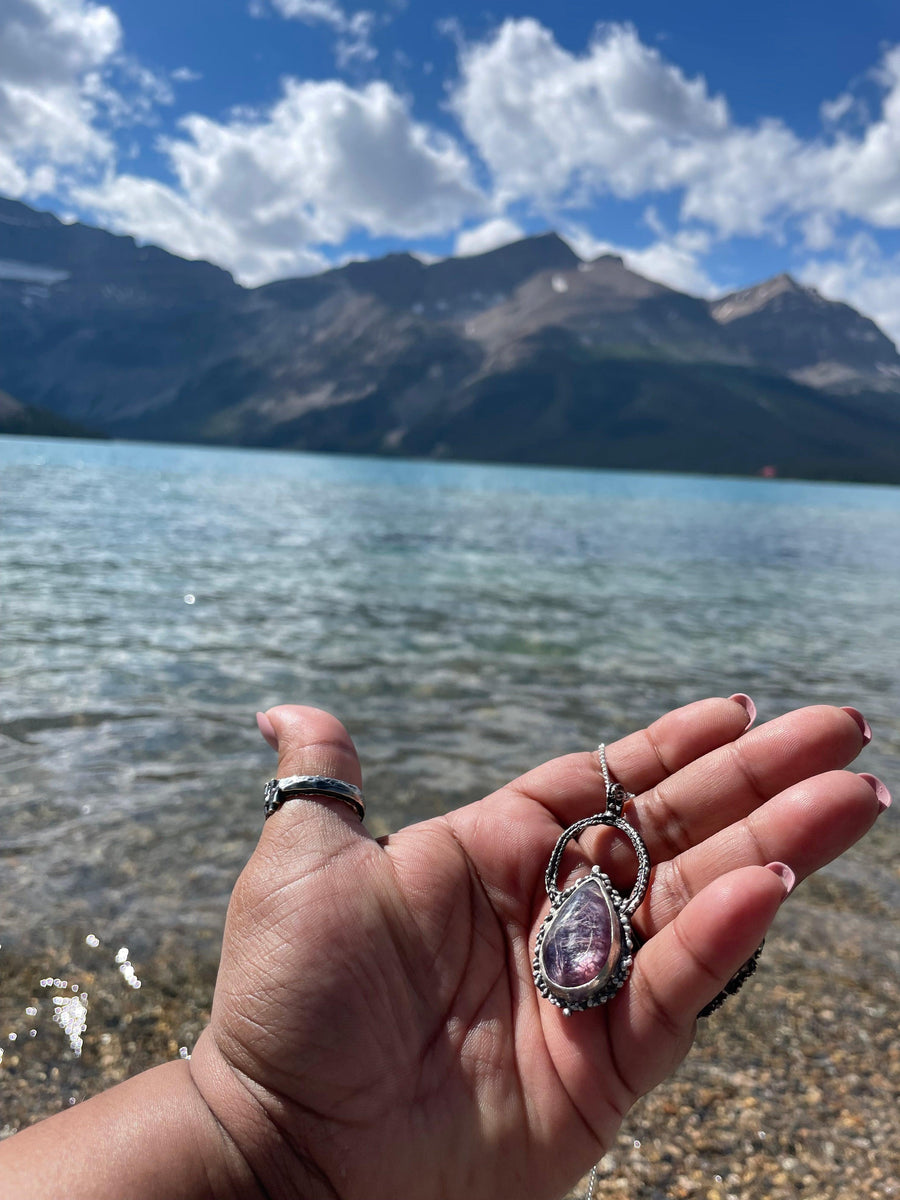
(585, 947)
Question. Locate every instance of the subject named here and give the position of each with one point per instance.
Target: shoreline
(791, 1089)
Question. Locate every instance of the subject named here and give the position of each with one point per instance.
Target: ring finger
(805, 826)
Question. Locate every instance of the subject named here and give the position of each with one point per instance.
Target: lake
(464, 621)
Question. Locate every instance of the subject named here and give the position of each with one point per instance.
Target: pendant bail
(616, 795)
(615, 799)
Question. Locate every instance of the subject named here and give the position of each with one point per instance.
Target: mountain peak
(752, 299)
(499, 271)
(537, 252)
(794, 328)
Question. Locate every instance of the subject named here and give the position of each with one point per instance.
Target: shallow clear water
(464, 621)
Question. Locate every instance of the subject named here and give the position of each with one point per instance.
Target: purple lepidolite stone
(579, 943)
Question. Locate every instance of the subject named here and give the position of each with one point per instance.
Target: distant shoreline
(79, 434)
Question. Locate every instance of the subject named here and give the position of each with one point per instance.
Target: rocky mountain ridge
(30, 421)
(525, 353)
(821, 342)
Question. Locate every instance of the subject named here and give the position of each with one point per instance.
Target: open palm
(376, 1032)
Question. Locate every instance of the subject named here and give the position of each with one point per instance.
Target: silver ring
(310, 786)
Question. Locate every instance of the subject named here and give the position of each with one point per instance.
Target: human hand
(376, 1032)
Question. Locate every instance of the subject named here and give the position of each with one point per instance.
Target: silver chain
(591, 1182)
(601, 750)
(611, 817)
(615, 799)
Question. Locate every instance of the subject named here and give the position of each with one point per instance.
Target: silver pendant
(585, 947)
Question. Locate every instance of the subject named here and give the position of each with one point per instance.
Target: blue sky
(711, 144)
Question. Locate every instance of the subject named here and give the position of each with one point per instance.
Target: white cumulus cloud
(54, 42)
(863, 173)
(157, 213)
(561, 130)
(52, 53)
(752, 180)
(66, 87)
(550, 124)
(834, 111)
(259, 194)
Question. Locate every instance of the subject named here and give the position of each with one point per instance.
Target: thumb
(308, 849)
(310, 742)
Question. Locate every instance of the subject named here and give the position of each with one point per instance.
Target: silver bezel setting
(605, 985)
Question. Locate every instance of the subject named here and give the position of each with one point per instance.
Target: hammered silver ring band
(309, 787)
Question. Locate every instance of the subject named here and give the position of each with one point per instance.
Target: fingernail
(784, 873)
(746, 703)
(267, 729)
(861, 721)
(884, 796)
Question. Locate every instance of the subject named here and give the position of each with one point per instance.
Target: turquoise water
(464, 621)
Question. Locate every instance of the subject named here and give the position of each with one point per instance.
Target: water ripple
(464, 621)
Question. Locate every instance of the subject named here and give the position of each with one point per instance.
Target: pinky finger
(686, 965)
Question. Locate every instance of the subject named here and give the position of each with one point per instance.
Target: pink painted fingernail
(884, 796)
(784, 873)
(864, 727)
(746, 703)
(267, 729)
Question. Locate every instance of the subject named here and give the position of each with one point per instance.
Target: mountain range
(523, 354)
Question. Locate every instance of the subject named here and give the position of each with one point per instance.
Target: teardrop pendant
(584, 949)
(583, 940)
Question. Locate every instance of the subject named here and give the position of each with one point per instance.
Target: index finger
(572, 787)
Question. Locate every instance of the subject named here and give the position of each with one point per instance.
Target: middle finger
(726, 785)
(805, 826)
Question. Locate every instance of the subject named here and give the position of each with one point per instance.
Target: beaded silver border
(626, 954)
